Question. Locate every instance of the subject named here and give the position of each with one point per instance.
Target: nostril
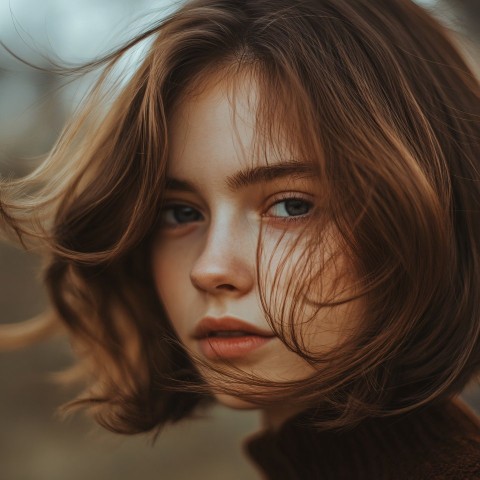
(226, 286)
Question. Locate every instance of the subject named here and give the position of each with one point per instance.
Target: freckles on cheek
(168, 275)
(281, 259)
(171, 277)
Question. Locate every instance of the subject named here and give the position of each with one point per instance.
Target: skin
(204, 256)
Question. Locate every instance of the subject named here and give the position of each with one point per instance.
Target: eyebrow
(252, 176)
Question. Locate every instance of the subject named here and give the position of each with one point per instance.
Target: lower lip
(215, 348)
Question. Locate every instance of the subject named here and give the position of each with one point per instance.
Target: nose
(226, 263)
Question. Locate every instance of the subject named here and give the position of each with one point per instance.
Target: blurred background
(34, 443)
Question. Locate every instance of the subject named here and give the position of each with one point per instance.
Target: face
(220, 193)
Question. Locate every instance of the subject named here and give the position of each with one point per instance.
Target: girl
(278, 210)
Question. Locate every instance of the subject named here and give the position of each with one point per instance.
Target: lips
(229, 337)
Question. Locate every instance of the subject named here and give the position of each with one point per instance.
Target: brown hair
(378, 98)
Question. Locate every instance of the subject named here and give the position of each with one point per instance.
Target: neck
(274, 417)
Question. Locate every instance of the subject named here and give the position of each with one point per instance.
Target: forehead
(217, 124)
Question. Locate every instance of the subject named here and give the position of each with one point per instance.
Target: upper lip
(209, 325)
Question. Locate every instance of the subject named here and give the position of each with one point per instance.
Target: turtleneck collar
(401, 447)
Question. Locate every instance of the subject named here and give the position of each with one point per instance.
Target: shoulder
(454, 452)
(456, 459)
(433, 443)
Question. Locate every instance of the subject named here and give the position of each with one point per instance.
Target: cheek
(332, 327)
(170, 275)
(297, 279)
(283, 271)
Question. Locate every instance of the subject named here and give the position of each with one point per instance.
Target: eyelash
(285, 197)
(279, 200)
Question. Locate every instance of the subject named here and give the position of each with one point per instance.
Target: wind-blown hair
(378, 98)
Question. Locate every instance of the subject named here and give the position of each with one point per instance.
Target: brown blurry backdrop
(34, 444)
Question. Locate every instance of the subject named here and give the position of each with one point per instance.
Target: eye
(290, 208)
(175, 215)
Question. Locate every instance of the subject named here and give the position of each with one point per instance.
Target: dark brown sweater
(436, 442)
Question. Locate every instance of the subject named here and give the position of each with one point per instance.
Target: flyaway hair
(377, 99)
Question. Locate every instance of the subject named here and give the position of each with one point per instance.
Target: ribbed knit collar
(377, 449)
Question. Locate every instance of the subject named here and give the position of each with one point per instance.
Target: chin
(234, 402)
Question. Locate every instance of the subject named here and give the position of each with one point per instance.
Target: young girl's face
(219, 195)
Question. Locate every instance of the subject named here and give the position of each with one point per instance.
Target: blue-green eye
(179, 215)
(290, 207)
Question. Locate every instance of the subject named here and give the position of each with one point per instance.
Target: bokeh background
(34, 443)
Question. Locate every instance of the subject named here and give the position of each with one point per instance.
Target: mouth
(229, 338)
(228, 333)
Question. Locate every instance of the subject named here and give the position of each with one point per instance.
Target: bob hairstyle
(377, 97)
